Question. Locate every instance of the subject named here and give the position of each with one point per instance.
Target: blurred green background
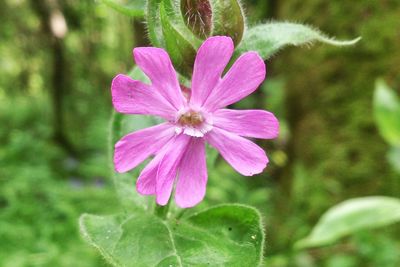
(55, 107)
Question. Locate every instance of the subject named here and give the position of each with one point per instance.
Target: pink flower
(178, 144)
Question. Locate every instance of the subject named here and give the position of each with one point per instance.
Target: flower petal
(246, 74)
(134, 97)
(243, 155)
(156, 64)
(147, 181)
(168, 167)
(135, 147)
(211, 60)
(192, 180)
(249, 123)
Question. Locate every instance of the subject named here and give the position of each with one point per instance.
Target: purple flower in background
(178, 145)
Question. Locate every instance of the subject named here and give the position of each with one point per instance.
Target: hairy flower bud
(197, 14)
(214, 17)
(181, 26)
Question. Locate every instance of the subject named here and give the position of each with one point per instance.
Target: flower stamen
(191, 118)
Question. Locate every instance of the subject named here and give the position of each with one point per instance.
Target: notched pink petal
(135, 147)
(156, 64)
(244, 77)
(168, 166)
(134, 97)
(248, 123)
(192, 180)
(211, 60)
(243, 155)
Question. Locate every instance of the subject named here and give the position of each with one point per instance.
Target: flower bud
(185, 24)
(197, 15)
(217, 17)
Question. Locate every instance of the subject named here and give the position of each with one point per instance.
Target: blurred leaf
(269, 38)
(226, 235)
(131, 8)
(342, 260)
(137, 74)
(228, 19)
(212, 156)
(351, 216)
(387, 113)
(394, 158)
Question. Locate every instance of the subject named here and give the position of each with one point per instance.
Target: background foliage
(55, 109)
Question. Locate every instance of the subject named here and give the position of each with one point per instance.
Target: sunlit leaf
(387, 113)
(226, 235)
(394, 158)
(351, 216)
(269, 38)
(131, 8)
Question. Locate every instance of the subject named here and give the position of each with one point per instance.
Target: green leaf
(154, 23)
(269, 38)
(212, 156)
(394, 158)
(351, 216)
(167, 29)
(387, 113)
(142, 240)
(131, 8)
(180, 43)
(225, 235)
(228, 19)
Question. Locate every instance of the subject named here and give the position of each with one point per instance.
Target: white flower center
(193, 123)
(191, 118)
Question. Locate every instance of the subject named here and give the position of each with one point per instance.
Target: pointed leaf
(351, 216)
(387, 113)
(269, 38)
(226, 235)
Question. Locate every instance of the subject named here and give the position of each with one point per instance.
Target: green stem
(162, 211)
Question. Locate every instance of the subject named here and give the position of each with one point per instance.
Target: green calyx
(181, 27)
